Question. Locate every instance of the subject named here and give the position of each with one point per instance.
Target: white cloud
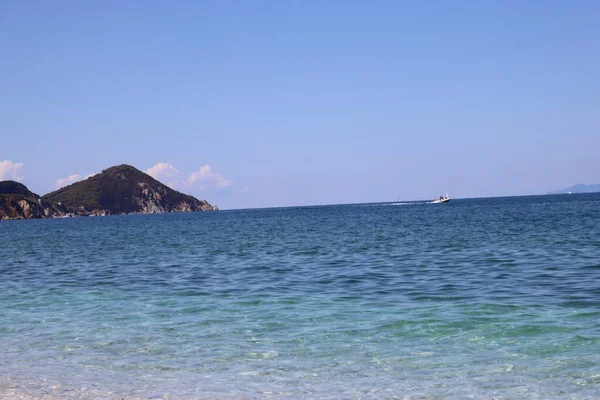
(207, 175)
(68, 180)
(10, 170)
(162, 170)
(88, 176)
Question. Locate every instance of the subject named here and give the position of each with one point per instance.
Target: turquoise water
(488, 298)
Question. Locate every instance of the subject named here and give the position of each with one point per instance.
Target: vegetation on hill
(15, 189)
(124, 189)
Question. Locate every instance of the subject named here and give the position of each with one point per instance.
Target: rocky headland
(18, 202)
(122, 189)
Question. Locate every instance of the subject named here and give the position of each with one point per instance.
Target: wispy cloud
(207, 175)
(68, 180)
(11, 170)
(205, 178)
(162, 170)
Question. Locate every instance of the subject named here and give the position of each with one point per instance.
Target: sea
(492, 298)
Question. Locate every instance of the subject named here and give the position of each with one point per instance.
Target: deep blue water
(489, 298)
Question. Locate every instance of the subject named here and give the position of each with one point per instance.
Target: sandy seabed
(20, 389)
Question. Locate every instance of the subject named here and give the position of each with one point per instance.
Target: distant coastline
(579, 188)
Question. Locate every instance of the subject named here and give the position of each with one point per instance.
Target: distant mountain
(580, 188)
(117, 190)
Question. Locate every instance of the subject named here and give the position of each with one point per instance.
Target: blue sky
(264, 103)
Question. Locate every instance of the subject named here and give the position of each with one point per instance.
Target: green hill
(123, 189)
(15, 188)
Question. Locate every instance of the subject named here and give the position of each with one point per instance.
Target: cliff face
(117, 190)
(14, 207)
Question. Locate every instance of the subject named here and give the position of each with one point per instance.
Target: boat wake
(407, 203)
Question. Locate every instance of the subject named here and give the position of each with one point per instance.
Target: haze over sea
(489, 298)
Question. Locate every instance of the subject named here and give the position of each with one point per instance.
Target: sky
(279, 103)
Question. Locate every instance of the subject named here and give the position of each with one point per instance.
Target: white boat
(441, 199)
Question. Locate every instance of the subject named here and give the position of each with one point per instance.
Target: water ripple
(486, 298)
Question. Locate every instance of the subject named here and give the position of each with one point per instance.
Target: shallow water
(489, 298)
